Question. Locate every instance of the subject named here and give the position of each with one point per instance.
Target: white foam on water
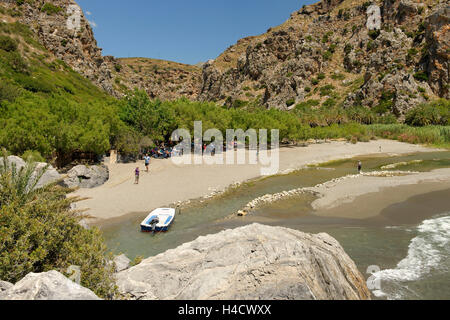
(425, 253)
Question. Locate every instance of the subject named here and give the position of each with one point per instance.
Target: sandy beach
(359, 197)
(168, 183)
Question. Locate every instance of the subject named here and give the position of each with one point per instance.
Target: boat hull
(165, 216)
(157, 229)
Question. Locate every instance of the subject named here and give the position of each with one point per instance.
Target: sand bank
(168, 183)
(368, 197)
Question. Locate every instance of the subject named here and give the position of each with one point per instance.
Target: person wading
(359, 167)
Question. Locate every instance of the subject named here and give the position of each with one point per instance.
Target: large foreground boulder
(4, 285)
(50, 285)
(251, 262)
(86, 176)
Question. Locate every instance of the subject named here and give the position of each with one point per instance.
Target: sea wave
(427, 252)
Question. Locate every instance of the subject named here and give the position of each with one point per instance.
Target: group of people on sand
(137, 171)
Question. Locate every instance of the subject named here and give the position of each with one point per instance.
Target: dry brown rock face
(438, 37)
(324, 44)
(329, 43)
(161, 79)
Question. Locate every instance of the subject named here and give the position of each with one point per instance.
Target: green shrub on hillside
(326, 90)
(36, 84)
(386, 103)
(8, 91)
(48, 107)
(290, 102)
(435, 113)
(421, 76)
(374, 34)
(361, 115)
(39, 233)
(17, 63)
(7, 43)
(433, 135)
(32, 156)
(50, 8)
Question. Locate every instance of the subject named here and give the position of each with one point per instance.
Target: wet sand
(348, 189)
(407, 204)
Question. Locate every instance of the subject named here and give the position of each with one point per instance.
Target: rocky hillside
(389, 55)
(161, 79)
(75, 46)
(78, 48)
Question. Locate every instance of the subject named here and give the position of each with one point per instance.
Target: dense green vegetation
(47, 107)
(50, 8)
(39, 233)
(435, 113)
(308, 120)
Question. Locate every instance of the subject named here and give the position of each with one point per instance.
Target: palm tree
(19, 183)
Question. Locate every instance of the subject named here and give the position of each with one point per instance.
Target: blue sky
(180, 30)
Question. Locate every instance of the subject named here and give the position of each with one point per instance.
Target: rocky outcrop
(50, 285)
(362, 50)
(82, 176)
(438, 38)
(4, 285)
(50, 175)
(396, 49)
(121, 262)
(251, 262)
(73, 44)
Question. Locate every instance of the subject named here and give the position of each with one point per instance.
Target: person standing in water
(147, 161)
(136, 175)
(359, 167)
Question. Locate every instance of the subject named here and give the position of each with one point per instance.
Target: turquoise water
(366, 242)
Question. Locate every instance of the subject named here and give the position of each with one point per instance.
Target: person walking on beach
(147, 162)
(359, 167)
(136, 175)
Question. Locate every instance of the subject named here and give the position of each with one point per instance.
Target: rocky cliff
(63, 29)
(76, 45)
(389, 54)
(251, 262)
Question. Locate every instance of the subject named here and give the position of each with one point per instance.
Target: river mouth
(382, 240)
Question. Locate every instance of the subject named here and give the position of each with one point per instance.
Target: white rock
(50, 285)
(251, 262)
(121, 262)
